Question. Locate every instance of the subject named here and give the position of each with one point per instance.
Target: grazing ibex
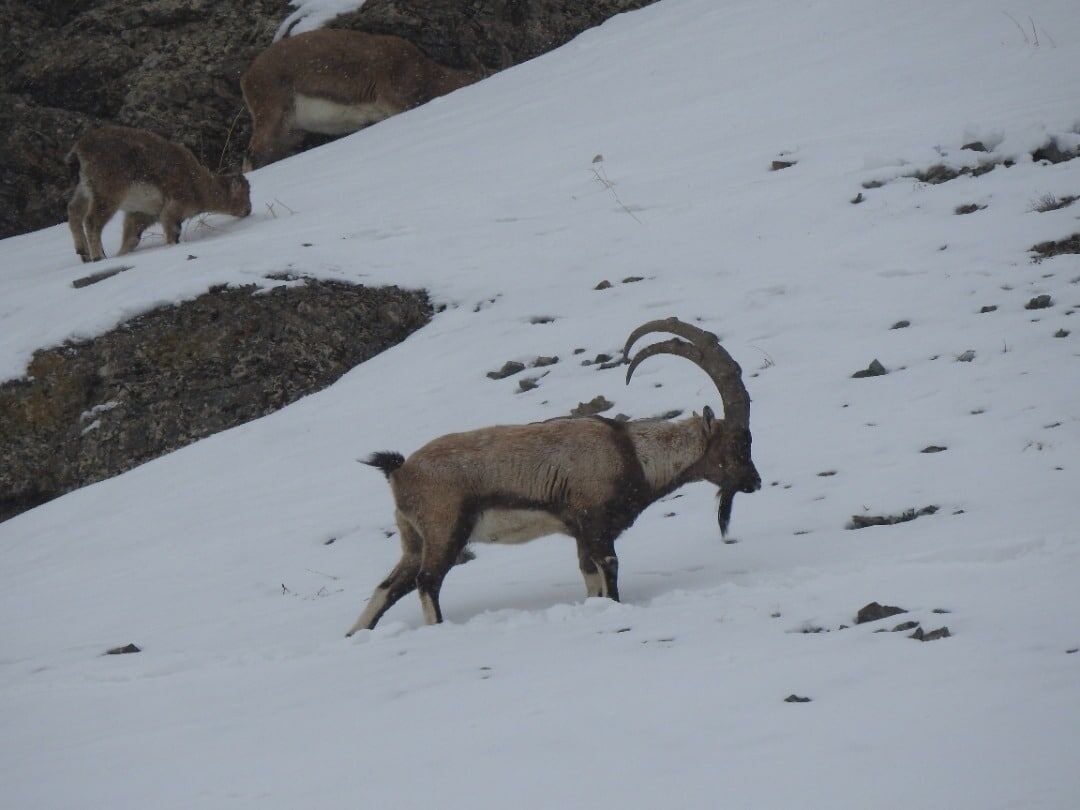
(333, 82)
(150, 179)
(588, 478)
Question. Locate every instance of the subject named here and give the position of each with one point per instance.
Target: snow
(215, 559)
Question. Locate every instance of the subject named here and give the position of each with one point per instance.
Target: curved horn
(705, 351)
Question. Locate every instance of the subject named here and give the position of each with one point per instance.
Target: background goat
(334, 82)
(588, 478)
(150, 179)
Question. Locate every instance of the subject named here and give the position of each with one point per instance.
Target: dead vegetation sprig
(600, 175)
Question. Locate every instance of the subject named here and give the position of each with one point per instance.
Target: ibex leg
(398, 582)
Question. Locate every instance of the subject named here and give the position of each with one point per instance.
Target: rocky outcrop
(174, 66)
(451, 31)
(90, 410)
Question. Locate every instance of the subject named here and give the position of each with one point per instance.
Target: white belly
(515, 526)
(314, 114)
(143, 198)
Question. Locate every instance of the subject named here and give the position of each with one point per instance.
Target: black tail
(72, 161)
(385, 460)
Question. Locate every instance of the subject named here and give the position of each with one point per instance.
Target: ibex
(588, 478)
(150, 179)
(333, 82)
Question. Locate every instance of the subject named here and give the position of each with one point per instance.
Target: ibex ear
(708, 420)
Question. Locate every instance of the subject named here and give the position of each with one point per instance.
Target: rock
(777, 165)
(865, 521)
(933, 635)
(966, 356)
(509, 369)
(933, 448)
(603, 285)
(528, 384)
(988, 308)
(970, 208)
(858, 198)
(901, 325)
(905, 626)
(543, 362)
(1039, 302)
(633, 279)
(975, 146)
(101, 275)
(875, 611)
(179, 373)
(875, 369)
(597, 404)
(793, 698)
(127, 649)
(1062, 333)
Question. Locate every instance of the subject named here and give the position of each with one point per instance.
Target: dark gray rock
(509, 369)
(933, 635)
(91, 410)
(875, 369)
(127, 649)
(875, 611)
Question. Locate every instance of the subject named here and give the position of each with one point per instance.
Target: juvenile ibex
(334, 82)
(150, 179)
(588, 478)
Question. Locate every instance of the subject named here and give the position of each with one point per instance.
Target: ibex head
(239, 194)
(726, 462)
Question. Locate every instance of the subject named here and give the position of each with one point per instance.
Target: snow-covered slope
(216, 559)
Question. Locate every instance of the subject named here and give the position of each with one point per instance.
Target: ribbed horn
(705, 351)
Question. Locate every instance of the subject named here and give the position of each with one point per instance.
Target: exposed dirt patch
(940, 173)
(1051, 202)
(1052, 152)
(1070, 244)
(970, 208)
(91, 410)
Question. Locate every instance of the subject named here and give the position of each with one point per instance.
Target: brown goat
(588, 478)
(333, 82)
(150, 179)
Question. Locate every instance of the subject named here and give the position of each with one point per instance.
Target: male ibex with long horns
(589, 478)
